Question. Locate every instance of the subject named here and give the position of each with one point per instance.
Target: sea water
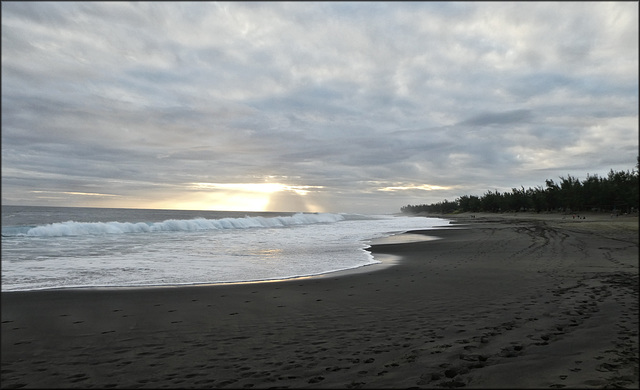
(72, 247)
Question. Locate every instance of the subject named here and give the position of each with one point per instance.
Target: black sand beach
(500, 301)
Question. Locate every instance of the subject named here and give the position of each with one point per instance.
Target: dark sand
(501, 301)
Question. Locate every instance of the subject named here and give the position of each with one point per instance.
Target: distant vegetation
(617, 193)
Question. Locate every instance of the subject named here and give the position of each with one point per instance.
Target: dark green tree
(618, 192)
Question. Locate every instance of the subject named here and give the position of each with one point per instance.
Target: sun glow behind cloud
(218, 201)
(255, 187)
(244, 197)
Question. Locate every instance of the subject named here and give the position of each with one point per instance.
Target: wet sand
(498, 301)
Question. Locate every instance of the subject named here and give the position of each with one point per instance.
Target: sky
(356, 107)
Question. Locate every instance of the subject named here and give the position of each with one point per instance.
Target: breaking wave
(71, 228)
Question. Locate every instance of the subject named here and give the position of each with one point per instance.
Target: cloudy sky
(330, 106)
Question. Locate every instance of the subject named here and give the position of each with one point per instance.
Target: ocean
(77, 247)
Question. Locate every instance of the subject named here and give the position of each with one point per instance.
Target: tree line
(618, 193)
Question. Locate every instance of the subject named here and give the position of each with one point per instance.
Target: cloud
(138, 100)
(500, 118)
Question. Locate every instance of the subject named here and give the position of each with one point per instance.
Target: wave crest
(71, 228)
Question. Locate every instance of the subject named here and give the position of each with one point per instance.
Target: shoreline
(383, 261)
(502, 303)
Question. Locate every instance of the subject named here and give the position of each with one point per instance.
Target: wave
(71, 228)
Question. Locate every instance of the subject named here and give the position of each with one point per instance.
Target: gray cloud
(498, 118)
(138, 101)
